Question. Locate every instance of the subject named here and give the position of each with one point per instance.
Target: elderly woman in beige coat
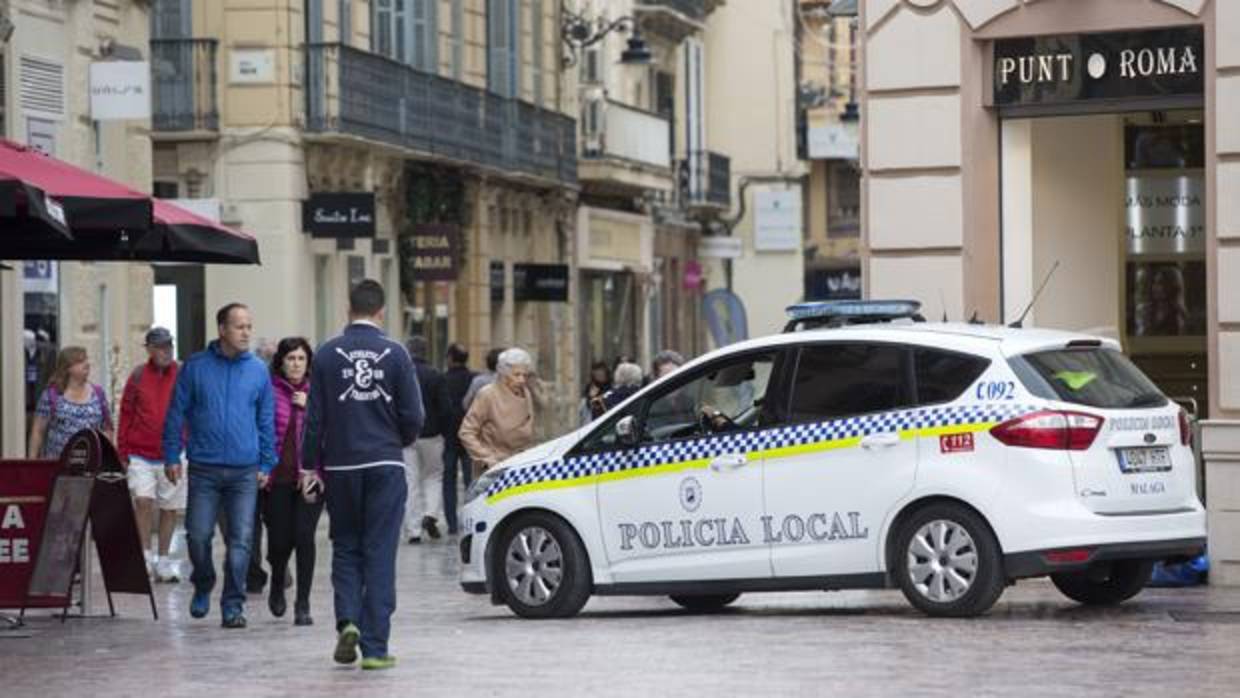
(500, 421)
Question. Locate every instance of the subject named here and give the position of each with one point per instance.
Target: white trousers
(424, 476)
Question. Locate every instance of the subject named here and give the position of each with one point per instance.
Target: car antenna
(1020, 320)
(943, 303)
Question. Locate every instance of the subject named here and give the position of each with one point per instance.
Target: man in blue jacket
(364, 409)
(223, 399)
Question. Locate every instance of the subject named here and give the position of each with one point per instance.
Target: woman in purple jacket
(293, 501)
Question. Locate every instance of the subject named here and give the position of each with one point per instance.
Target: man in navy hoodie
(364, 409)
(223, 398)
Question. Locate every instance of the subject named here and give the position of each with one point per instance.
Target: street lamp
(578, 32)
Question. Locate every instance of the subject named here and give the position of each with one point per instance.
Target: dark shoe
(346, 644)
(430, 527)
(200, 605)
(275, 601)
(414, 540)
(302, 617)
(235, 621)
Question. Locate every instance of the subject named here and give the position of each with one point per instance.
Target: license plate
(1144, 460)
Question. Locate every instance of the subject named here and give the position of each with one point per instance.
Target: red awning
(105, 220)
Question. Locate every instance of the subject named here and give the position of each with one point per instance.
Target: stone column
(1220, 446)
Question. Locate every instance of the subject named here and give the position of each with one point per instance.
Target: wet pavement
(1034, 643)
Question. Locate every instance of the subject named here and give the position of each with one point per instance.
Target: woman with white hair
(500, 421)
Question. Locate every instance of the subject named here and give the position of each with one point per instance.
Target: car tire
(947, 562)
(541, 567)
(1116, 583)
(704, 603)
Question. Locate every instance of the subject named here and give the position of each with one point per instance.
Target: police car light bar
(838, 313)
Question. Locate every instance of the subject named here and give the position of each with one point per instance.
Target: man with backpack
(144, 404)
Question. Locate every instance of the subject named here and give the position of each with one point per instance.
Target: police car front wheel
(947, 561)
(542, 571)
(704, 603)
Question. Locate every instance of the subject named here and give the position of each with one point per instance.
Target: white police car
(945, 459)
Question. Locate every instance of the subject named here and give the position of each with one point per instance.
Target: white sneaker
(167, 571)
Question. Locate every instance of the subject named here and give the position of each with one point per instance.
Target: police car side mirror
(626, 430)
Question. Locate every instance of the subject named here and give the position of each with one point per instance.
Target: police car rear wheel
(948, 563)
(704, 603)
(1105, 585)
(544, 572)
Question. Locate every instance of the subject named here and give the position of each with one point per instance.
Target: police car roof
(947, 335)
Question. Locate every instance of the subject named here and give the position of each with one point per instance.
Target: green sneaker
(369, 663)
(346, 644)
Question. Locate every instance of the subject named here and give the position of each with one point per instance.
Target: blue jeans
(453, 454)
(367, 508)
(233, 491)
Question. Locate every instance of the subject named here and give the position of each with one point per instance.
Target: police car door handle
(732, 461)
(877, 441)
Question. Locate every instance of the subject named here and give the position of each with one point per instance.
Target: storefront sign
(695, 276)
(1165, 215)
(777, 220)
(833, 141)
(434, 248)
(1072, 68)
(339, 215)
(540, 282)
(120, 90)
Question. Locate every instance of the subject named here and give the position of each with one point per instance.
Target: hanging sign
(120, 90)
(339, 215)
(1071, 68)
(433, 249)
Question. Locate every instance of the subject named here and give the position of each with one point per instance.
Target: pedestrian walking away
(292, 502)
(223, 398)
(364, 409)
(500, 422)
(457, 378)
(69, 404)
(424, 459)
(139, 443)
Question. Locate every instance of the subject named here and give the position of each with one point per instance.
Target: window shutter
(497, 46)
(42, 87)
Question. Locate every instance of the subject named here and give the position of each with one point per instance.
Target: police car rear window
(1093, 377)
(942, 376)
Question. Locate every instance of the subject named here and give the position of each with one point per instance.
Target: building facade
(1090, 148)
(427, 143)
(46, 50)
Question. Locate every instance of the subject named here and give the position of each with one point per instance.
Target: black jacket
(434, 399)
(457, 380)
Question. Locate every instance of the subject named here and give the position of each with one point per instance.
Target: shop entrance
(1114, 203)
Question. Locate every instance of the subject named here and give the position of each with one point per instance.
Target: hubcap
(534, 566)
(942, 561)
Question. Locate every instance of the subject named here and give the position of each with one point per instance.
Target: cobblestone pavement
(1035, 643)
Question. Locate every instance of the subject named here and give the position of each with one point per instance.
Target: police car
(944, 459)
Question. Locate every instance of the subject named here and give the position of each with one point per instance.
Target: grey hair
(513, 358)
(667, 356)
(628, 375)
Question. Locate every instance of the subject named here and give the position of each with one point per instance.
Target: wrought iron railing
(359, 93)
(693, 9)
(184, 85)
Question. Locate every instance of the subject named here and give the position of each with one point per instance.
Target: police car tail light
(1186, 430)
(1063, 431)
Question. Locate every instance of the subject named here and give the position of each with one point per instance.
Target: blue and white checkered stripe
(676, 452)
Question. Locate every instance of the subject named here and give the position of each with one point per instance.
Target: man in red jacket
(144, 405)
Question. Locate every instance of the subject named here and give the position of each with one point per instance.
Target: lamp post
(579, 32)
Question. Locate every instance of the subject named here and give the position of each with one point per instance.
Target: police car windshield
(1093, 377)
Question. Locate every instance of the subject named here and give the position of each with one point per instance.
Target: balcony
(625, 148)
(674, 19)
(708, 186)
(184, 85)
(351, 92)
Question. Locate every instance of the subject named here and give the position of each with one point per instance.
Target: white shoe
(168, 571)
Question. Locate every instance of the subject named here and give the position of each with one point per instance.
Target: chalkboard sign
(63, 531)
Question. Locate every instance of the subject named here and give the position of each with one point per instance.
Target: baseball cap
(158, 337)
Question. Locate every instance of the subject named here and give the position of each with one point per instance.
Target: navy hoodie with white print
(364, 405)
